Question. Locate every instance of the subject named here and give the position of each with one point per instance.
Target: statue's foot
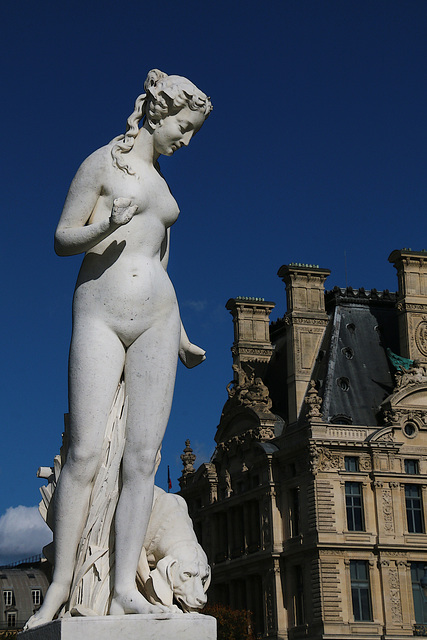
(134, 602)
(56, 595)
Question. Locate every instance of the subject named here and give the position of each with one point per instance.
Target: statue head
(167, 95)
(164, 96)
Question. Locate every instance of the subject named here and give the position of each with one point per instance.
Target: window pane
(299, 597)
(411, 467)
(414, 510)
(418, 570)
(351, 463)
(360, 593)
(354, 506)
(11, 620)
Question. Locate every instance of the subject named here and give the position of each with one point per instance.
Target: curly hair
(164, 96)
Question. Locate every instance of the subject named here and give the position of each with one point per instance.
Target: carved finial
(314, 402)
(188, 458)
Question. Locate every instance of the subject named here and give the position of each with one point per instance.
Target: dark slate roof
(352, 370)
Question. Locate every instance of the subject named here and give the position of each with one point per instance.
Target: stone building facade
(22, 590)
(313, 509)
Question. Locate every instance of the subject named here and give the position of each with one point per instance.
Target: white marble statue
(125, 323)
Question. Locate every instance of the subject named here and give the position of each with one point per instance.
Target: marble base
(185, 626)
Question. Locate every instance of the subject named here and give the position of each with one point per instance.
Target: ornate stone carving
(227, 481)
(386, 437)
(314, 455)
(387, 506)
(243, 441)
(396, 605)
(330, 460)
(417, 374)
(365, 463)
(248, 390)
(315, 321)
(314, 402)
(188, 458)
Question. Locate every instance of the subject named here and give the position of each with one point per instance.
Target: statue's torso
(122, 277)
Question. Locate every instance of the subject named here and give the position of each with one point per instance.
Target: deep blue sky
(316, 147)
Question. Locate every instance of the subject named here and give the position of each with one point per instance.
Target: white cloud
(23, 533)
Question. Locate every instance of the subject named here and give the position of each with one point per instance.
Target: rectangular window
(36, 596)
(294, 511)
(298, 597)
(8, 598)
(414, 508)
(351, 463)
(360, 592)
(411, 467)
(11, 620)
(354, 506)
(418, 572)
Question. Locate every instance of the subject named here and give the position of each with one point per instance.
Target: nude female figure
(125, 320)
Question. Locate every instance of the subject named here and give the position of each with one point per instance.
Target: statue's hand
(190, 354)
(122, 211)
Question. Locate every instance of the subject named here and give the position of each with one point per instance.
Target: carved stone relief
(417, 374)
(396, 605)
(388, 511)
(247, 389)
(365, 463)
(329, 460)
(421, 337)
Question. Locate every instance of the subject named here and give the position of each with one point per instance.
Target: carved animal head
(186, 579)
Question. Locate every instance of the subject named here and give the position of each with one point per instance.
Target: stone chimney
(411, 269)
(305, 320)
(251, 318)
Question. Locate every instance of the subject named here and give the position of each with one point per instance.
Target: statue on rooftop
(126, 325)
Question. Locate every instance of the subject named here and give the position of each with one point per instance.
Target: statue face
(176, 131)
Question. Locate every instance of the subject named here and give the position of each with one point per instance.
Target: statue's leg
(150, 378)
(96, 364)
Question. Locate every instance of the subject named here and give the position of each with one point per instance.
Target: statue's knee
(82, 463)
(141, 462)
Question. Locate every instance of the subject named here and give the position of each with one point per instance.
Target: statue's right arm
(73, 234)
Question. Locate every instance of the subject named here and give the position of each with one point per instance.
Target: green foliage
(232, 624)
